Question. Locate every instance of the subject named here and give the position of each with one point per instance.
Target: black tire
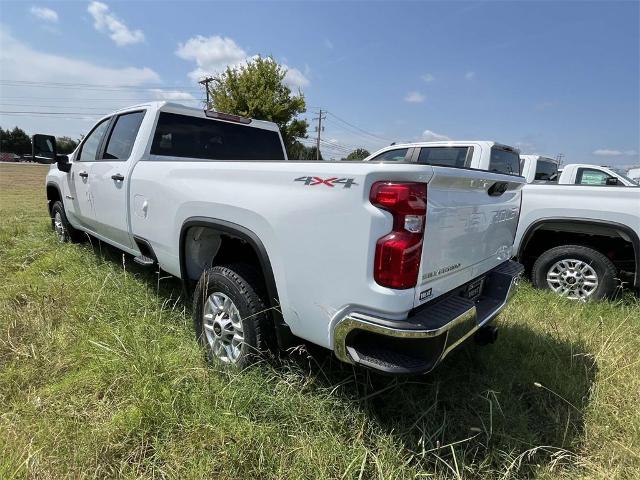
(65, 232)
(243, 285)
(604, 269)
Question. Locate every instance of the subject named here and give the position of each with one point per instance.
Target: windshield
(628, 179)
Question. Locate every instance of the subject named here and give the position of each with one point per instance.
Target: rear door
(109, 179)
(472, 217)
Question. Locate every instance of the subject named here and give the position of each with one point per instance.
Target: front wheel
(230, 316)
(575, 272)
(60, 224)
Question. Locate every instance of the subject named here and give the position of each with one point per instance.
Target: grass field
(100, 376)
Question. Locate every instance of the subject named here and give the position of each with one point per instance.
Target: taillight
(398, 253)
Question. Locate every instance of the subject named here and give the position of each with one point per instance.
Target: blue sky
(549, 78)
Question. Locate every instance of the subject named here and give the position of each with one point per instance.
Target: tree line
(17, 141)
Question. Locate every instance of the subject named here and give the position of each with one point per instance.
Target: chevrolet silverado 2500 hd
(391, 264)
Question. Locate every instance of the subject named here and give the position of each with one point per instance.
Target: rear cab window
(178, 135)
(457, 157)
(546, 171)
(504, 160)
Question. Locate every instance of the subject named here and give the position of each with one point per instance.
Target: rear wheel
(575, 272)
(230, 315)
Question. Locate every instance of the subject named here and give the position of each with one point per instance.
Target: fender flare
(283, 332)
(57, 187)
(628, 231)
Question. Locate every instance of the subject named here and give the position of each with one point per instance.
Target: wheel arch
(53, 194)
(582, 226)
(239, 232)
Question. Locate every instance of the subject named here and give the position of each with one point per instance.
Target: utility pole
(205, 83)
(559, 158)
(319, 129)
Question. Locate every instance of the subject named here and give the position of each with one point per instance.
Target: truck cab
(477, 154)
(536, 168)
(585, 174)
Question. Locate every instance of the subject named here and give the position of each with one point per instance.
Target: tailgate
(472, 217)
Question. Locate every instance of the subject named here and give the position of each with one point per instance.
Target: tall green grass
(100, 376)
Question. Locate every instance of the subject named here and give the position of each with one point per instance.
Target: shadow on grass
(510, 406)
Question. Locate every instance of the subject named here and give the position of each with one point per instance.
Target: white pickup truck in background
(578, 234)
(391, 264)
(537, 168)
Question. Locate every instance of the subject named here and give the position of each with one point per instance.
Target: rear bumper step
(416, 345)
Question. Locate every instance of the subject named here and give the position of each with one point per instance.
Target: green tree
(65, 145)
(15, 141)
(257, 90)
(358, 154)
(298, 151)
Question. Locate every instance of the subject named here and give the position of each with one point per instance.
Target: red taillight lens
(398, 254)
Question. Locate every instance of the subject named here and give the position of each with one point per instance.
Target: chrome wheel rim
(223, 327)
(58, 226)
(573, 279)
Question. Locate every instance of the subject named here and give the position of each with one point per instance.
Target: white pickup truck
(389, 264)
(578, 234)
(537, 168)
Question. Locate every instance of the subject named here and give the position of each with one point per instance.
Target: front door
(109, 180)
(79, 204)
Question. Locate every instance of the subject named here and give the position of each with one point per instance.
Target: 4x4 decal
(329, 182)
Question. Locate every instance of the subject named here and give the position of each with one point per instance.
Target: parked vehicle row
(391, 263)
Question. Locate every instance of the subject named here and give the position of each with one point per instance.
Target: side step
(144, 261)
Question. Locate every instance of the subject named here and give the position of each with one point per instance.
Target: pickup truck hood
(470, 227)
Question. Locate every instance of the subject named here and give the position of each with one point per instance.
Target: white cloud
(161, 94)
(605, 152)
(211, 54)
(431, 136)
(414, 97)
(105, 21)
(20, 62)
(45, 14)
(328, 43)
(427, 77)
(470, 75)
(214, 54)
(295, 78)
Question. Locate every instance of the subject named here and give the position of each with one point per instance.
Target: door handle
(497, 189)
(83, 174)
(118, 177)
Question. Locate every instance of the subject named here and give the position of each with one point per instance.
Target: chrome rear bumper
(417, 344)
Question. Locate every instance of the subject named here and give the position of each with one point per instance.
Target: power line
(358, 128)
(89, 86)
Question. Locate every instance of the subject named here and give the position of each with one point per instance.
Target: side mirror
(43, 150)
(612, 181)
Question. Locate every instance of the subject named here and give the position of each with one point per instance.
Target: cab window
(592, 176)
(92, 142)
(546, 171)
(123, 135)
(397, 155)
(504, 161)
(458, 157)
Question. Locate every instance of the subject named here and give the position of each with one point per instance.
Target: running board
(144, 261)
